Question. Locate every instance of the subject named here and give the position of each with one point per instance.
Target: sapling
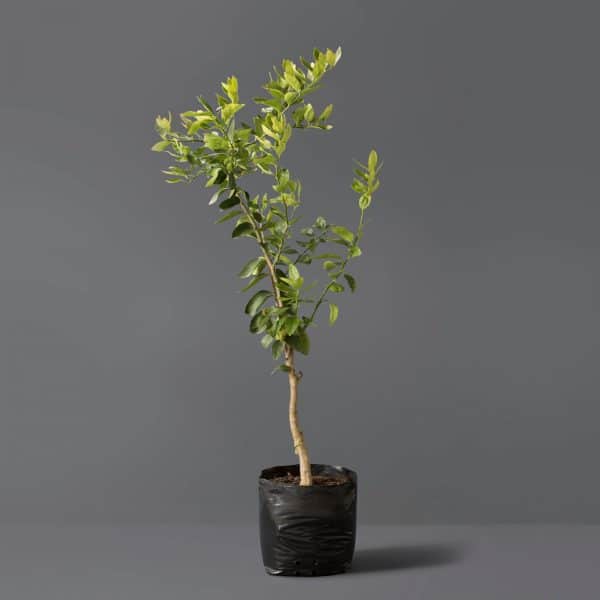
(214, 143)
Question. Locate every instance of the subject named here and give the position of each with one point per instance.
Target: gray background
(462, 381)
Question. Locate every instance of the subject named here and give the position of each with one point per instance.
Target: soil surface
(324, 480)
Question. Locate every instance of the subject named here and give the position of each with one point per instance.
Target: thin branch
(321, 299)
(263, 246)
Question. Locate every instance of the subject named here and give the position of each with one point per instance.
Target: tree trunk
(297, 436)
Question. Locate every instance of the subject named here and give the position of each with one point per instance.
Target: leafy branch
(211, 144)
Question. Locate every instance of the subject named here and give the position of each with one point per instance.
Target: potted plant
(307, 512)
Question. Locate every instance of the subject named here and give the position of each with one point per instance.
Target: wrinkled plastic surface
(307, 530)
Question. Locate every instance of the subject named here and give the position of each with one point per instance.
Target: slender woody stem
(293, 376)
(297, 435)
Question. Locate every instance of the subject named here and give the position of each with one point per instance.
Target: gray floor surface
(222, 562)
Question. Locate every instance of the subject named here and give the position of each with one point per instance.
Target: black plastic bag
(307, 530)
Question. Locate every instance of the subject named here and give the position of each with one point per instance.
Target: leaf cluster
(210, 143)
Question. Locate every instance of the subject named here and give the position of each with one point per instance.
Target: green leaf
(344, 233)
(266, 341)
(351, 282)
(229, 202)
(299, 341)
(336, 287)
(329, 265)
(161, 146)
(298, 116)
(327, 255)
(230, 215)
(333, 313)
(256, 302)
(252, 267)
(354, 251)
(259, 323)
(291, 324)
(294, 284)
(243, 229)
(253, 282)
(283, 368)
(276, 349)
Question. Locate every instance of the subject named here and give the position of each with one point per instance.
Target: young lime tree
(214, 143)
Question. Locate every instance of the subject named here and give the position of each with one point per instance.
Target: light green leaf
(283, 368)
(161, 146)
(230, 109)
(215, 142)
(293, 272)
(266, 341)
(329, 265)
(309, 113)
(372, 161)
(163, 124)
(359, 187)
(256, 302)
(326, 113)
(214, 197)
(333, 313)
(198, 123)
(364, 201)
(336, 287)
(330, 57)
(343, 232)
(298, 116)
(230, 87)
(355, 251)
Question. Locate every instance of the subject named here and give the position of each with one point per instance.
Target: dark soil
(324, 480)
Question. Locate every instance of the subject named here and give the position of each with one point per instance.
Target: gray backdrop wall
(462, 381)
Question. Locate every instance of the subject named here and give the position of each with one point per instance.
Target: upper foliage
(213, 145)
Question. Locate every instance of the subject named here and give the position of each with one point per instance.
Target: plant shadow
(392, 558)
